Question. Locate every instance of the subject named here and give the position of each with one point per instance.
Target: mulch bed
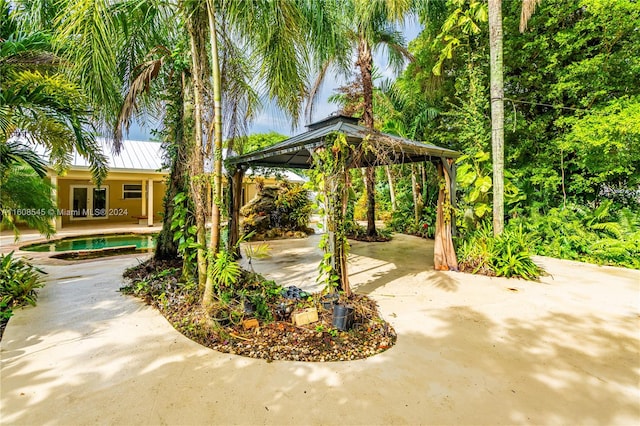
(275, 340)
(369, 239)
(281, 234)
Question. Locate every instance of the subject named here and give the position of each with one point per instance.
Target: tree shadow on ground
(471, 371)
(403, 257)
(370, 265)
(562, 369)
(457, 365)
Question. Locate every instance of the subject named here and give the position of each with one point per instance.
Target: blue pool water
(95, 242)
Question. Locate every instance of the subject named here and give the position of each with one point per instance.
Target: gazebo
(367, 148)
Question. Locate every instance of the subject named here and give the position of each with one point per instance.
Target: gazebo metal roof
(295, 152)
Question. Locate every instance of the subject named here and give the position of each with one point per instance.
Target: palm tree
(497, 102)
(119, 51)
(161, 82)
(273, 37)
(261, 43)
(497, 112)
(365, 25)
(39, 103)
(40, 106)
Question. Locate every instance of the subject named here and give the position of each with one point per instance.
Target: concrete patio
(470, 350)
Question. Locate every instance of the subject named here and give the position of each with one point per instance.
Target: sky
(272, 119)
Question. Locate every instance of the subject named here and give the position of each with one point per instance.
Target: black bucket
(342, 317)
(328, 301)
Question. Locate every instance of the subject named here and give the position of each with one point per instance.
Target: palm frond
(271, 30)
(53, 112)
(145, 74)
(528, 8)
(314, 90)
(19, 44)
(89, 30)
(240, 99)
(629, 220)
(32, 15)
(395, 43)
(14, 153)
(612, 228)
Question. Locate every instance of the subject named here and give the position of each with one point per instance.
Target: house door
(80, 200)
(99, 202)
(88, 202)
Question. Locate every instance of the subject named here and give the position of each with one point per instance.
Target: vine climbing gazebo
(367, 148)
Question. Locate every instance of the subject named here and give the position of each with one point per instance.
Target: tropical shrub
(511, 255)
(278, 210)
(23, 190)
(293, 208)
(184, 233)
(225, 271)
(19, 281)
(507, 255)
(588, 235)
(403, 220)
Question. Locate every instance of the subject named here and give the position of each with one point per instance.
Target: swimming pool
(95, 242)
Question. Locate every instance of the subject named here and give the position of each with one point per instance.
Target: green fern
(19, 281)
(225, 271)
(257, 251)
(597, 236)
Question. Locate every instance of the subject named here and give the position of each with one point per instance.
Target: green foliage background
(572, 108)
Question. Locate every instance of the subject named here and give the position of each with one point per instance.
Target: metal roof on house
(295, 152)
(135, 156)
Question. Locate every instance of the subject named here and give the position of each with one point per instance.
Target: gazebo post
(444, 253)
(342, 198)
(451, 168)
(330, 161)
(234, 200)
(336, 193)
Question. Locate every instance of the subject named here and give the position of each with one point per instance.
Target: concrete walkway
(471, 350)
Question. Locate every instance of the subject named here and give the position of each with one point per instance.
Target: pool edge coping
(47, 256)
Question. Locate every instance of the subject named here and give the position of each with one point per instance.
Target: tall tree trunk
(424, 187)
(416, 190)
(497, 112)
(371, 201)
(392, 188)
(166, 247)
(234, 197)
(217, 136)
(207, 297)
(365, 63)
(198, 55)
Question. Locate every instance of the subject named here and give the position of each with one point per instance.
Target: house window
(132, 191)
